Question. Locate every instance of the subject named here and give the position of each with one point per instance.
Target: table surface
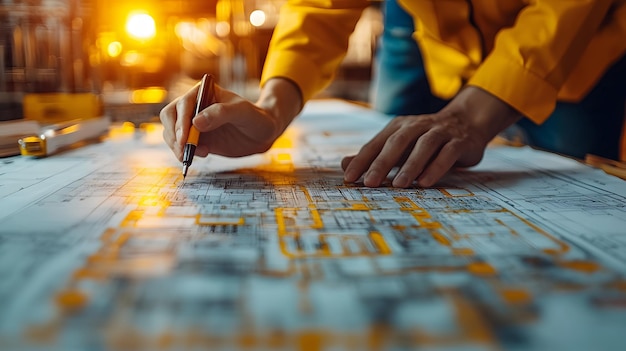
(106, 248)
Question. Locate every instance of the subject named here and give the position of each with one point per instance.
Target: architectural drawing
(105, 248)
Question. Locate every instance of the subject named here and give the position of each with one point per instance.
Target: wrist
(282, 100)
(487, 114)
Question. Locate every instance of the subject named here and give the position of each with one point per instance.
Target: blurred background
(129, 58)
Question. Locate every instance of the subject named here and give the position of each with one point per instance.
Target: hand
(232, 126)
(425, 147)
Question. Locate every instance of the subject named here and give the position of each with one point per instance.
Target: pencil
(203, 100)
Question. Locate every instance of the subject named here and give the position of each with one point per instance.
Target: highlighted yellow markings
(283, 158)
(562, 246)
(204, 220)
(441, 239)
(481, 268)
(420, 214)
(84, 273)
(317, 219)
(455, 192)
(132, 218)
(355, 207)
(471, 320)
(247, 340)
(379, 242)
(280, 221)
(71, 299)
(304, 190)
(315, 215)
(154, 201)
(407, 204)
(345, 245)
(324, 247)
(588, 267)
(283, 142)
(516, 296)
(311, 340)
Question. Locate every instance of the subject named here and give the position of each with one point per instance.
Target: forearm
(310, 41)
(282, 99)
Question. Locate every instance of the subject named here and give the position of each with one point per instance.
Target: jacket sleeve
(310, 41)
(532, 60)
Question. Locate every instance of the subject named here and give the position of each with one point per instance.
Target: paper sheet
(102, 248)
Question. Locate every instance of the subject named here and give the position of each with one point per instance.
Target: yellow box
(60, 107)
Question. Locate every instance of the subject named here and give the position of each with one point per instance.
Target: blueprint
(107, 248)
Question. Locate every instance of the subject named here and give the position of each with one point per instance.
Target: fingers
(433, 148)
(231, 126)
(176, 120)
(202, 151)
(215, 115)
(446, 158)
(168, 120)
(358, 164)
(389, 156)
(235, 110)
(376, 159)
(426, 147)
(355, 166)
(231, 108)
(235, 126)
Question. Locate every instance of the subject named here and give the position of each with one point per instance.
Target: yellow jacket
(529, 53)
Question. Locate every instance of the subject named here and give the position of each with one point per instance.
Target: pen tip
(185, 171)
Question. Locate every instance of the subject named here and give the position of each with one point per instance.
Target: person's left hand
(425, 147)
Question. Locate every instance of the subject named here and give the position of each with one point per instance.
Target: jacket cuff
(514, 84)
(297, 68)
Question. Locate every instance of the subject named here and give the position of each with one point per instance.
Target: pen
(203, 100)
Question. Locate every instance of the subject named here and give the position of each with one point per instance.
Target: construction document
(107, 248)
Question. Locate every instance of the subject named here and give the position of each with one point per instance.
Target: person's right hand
(425, 147)
(232, 126)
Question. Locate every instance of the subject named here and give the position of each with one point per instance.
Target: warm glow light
(141, 26)
(152, 95)
(114, 49)
(131, 58)
(183, 29)
(257, 18)
(222, 29)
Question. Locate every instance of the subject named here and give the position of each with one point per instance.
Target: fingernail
(401, 180)
(425, 181)
(371, 178)
(349, 176)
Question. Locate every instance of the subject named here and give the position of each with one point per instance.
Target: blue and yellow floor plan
(104, 248)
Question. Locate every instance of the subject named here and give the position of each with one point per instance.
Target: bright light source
(183, 29)
(141, 26)
(222, 29)
(257, 18)
(114, 49)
